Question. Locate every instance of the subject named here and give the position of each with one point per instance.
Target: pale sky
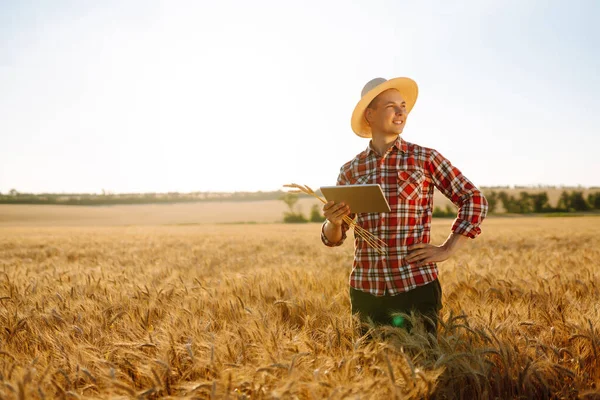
(145, 96)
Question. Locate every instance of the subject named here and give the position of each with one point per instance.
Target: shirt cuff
(329, 243)
(465, 228)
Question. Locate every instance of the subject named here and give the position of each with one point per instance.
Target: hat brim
(407, 88)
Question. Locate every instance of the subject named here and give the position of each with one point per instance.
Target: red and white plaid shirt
(407, 174)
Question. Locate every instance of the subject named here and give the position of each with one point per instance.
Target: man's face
(387, 113)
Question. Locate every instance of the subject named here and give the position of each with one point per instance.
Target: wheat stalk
(372, 240)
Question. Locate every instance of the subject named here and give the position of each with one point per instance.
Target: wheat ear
(372, 240)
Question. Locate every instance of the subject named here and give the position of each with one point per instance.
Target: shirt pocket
(410, 184)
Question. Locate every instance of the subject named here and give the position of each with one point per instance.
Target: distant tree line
(528, 203)
(532, 203)
(523, 203)
(449, 212)
(87, 199)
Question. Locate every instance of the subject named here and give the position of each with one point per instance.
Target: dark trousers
(423, 301)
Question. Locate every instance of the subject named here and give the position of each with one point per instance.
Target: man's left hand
(424, 253)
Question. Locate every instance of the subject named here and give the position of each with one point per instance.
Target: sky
(159, 96)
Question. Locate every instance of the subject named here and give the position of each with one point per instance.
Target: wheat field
(262, 311)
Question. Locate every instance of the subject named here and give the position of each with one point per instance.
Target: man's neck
(381, 143)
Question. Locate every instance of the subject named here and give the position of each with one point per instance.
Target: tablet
(360, 198)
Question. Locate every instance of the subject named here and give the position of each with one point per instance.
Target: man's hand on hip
(423, 253)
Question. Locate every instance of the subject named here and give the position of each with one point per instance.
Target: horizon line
(104, 192)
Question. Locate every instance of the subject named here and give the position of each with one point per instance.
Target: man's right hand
(335, 212)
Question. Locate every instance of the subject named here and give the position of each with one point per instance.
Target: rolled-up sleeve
(329, 243)
(472, 205)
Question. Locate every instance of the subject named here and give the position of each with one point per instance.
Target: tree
(563, 201)
(290, 199)
(315, 214)
(293, 218)
(577, 202)
(540, 202)
(509, 203)
(524, 203)
(492, 200)
(450, 212)
(13, 192)
(594, 200)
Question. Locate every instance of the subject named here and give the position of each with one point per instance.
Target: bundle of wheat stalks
(372, 240)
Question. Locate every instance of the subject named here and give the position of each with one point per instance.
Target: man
(405, 279)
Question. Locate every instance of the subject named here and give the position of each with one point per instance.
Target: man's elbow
(475, 204)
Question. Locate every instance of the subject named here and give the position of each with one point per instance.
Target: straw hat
(407, 88)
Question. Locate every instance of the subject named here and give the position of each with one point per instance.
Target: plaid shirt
(407, 174)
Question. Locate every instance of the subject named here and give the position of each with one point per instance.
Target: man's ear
(368, 113)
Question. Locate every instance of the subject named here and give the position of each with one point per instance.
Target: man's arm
(333, 231)
(472, 209)
(333, 228)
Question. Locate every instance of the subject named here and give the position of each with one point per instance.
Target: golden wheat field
(262, 311)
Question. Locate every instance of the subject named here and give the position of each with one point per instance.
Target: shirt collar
(399, 144)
